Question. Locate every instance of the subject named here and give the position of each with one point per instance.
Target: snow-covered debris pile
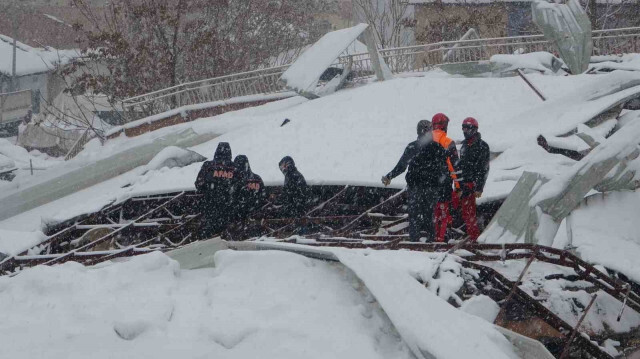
(627, 62)
(430, 326)
(566, 295)
(253, 304)
(538, 61)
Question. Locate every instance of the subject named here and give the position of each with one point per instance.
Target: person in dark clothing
(216, 181)
(427, 174)
(474, 169)
(249, 194)
(295, 192)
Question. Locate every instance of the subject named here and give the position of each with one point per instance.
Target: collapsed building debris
(350, 217)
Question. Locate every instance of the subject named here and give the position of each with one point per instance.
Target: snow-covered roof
(31, 60)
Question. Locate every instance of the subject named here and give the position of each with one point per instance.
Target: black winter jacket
(474, 163)
(217, 178)
(249, 194)
(427, 162)
(295, 193)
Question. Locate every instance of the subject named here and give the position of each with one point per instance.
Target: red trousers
(468, 209)
(442, 219)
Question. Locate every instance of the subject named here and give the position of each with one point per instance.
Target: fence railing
(209, 90)
(400, 60)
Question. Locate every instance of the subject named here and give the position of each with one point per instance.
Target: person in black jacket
(427, 174)
(295, 192)
(216, 181)
(474, 168)
(249, 194)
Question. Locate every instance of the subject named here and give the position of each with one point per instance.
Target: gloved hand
(478, 194)
(386, 180)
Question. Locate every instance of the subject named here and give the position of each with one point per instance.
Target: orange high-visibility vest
(444, 141)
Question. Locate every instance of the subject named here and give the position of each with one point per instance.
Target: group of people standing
(439, 180)
(232, 192)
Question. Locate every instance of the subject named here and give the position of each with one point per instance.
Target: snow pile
(303, 74)
(173, 156)
(482, 306)
(254, 304)
(538, 61)
(627, 62)
(14, 242)
(606, 230)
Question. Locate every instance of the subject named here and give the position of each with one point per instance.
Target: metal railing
(79, 144)
(400, 60)
(209, 90)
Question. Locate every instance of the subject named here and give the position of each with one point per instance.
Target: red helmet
(440, 121)
(470, 121)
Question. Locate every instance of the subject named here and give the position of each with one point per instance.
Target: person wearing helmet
(442, 212)
(425, 178)
(216, 182)
(474, 169)
(295, 192)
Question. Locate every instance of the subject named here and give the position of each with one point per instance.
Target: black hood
(241, 163)
(223, 152)
(288, 160)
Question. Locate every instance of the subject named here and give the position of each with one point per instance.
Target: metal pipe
(531, 85)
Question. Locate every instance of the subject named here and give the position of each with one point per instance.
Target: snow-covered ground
(267, 304)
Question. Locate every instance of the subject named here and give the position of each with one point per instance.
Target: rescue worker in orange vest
(440, 123)
(474, 169)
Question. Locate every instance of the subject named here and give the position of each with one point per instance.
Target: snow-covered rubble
(567, 299)
(428, 324)
(627, 62)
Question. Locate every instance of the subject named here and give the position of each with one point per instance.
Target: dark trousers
(216, 215)
(422, 201)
